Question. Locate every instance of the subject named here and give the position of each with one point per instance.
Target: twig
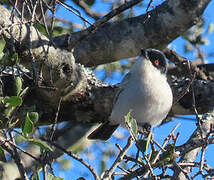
(120, 157)
(197, 143)
(147, 10)
(72, 25)
(136, 161)
(103, 20)
(193, 164)
(149, 165)
(43, 15)
(192, 88)
(159, 152)
(119, 173)
(72, 9)
(157, 144)
(53, 128)
(31, 46)
(202, 158)
(165, 142)
(76, 157)
(182, 62)
(118, 146)
(88, 10)
(124, 170)
(143, 170)
(179, 167)
(44, 172)
(25, 152)
(184, 91)
(17, 160)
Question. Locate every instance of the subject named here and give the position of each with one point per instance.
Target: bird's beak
(144, 53)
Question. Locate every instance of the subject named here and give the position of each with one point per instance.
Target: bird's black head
(157, 58)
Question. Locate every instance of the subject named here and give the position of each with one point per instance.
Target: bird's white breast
(145, 93)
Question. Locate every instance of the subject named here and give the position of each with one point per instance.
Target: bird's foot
(145, 129)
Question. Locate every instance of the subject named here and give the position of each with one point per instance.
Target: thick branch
(85, 99)
(199, 139)
(124, 39)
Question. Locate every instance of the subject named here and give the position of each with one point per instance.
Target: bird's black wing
(103, 132)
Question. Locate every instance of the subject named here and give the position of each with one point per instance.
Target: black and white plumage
(144, 91)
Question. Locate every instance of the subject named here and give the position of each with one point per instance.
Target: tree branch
(193, 146)
(124, 39)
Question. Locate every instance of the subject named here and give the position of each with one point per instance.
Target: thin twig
(76, 157)
(88, 10)
(149, 166)
(104, 19)
(147, 10)
(25, 152)
(202, 158)
(53, 128)
(44, 172)
(144, 169)
(179, 167)
(136, 161)
(17, 159)
(165, 142)
(122, 169)
(43, 16)
(120, 157)
(182, 62)
(157, 144)
(72, 9)
(31, 46)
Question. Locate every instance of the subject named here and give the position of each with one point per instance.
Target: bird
(144, 92)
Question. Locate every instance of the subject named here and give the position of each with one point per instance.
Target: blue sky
(186, 127)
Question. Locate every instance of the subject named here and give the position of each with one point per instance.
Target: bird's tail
(103, 132)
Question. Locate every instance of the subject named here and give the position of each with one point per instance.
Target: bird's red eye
(156, 62)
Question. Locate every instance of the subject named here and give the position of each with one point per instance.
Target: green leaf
(18, 85)
(13, 101)
(41, 29)
(39, 143)
(5, 59)
(132, 125)
(1, 150)
(148, 141)
(65, 164)
(34, 117)
(2, 155)
(52, 177)
(8, 111)
(28, 126)
(2, 44)
(103, 165)
(210, 28)
(58, 30)
(15, 56)
(19, 139)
